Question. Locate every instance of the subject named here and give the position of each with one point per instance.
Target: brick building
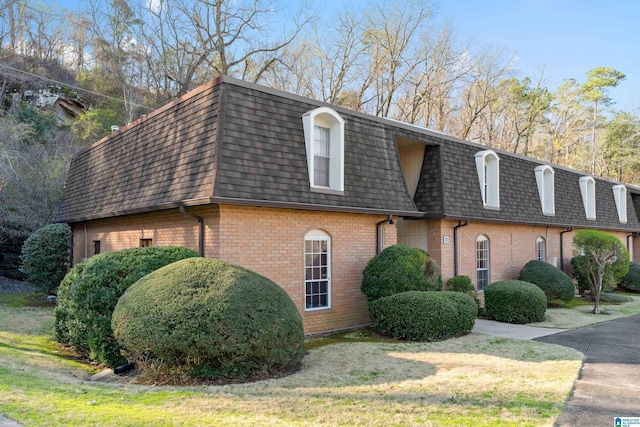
(305, 194)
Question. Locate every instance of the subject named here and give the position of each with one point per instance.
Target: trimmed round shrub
(399, 268)
(515, 301)
(424, 315)
(90, 291)
(631, 282)
(208, 319)
(461, 284)
(555, 284)
(46, 256)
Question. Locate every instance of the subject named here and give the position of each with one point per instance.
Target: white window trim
(588, 191)
(620, 197)
(328, 118)
(540, 240)
(489, 190)
(483, 238)
(322, 235)
(545, 178)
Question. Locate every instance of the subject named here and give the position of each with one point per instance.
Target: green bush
(613, 274)
(208, 319)
(424, 315)
(555, 284)
(90, 291)
(515, 301)
(614, 299)
(461, 284)
(397, 269)
(46, 256)
(631, 282)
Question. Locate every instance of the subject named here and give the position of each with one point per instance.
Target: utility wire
(74, 87)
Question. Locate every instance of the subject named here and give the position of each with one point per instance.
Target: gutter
(455, 245)
(561, 247)
(200, 220)
(379, 225)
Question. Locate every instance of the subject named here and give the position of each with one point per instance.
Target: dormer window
(620, 197)
(588, 191)
(324, 140)
(488, 167)
(545, 180)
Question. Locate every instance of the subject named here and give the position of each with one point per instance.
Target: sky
(566, 37)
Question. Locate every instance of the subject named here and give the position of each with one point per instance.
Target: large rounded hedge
(208, 319)
(631, 282)
(90, 291)
(555, 284)
(424, 315)
(46, 256)
(515, 301)
(400, 268)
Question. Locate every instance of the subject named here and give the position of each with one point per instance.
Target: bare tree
(391, 32)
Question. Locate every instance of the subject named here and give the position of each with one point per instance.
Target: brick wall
(268, 241)
(271, 241)
(165, 228)
(511, 247)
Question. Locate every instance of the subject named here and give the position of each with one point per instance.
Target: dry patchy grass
(472, 380)
(581, 315)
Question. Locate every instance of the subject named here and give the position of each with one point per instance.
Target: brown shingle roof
(234, 142)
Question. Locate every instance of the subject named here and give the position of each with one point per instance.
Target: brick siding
(268, 241)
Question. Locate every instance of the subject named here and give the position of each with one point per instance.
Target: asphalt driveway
(609, 384)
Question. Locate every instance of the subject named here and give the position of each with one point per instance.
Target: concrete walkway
(6, 422)
(510, 330)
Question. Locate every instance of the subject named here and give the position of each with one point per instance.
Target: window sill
(492, 208)
(312, 310)
(326, 190)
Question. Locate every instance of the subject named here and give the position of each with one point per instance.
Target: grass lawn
(474, 380)
(579, 314)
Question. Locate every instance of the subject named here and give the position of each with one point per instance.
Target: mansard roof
(231, 142)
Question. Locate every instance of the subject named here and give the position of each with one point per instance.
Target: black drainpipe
(200, 232)
(389, 220)
(562, 246)
(455, 245)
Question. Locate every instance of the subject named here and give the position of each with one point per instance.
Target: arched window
(541, 249)
(317, 270)
(588, 191)
(482, 262)
(620, 197)
(324, 141)
(488, 167)
(545, 180)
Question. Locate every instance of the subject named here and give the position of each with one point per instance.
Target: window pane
(321, 171)
(316, 273)
(321, 143)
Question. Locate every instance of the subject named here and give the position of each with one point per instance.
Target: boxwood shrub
(515, 301)
(400, 268)
(461, 284)
(46, 256)
(208, 319)
(631, 282)
(555, 284)
(90, 291)
(424, 315)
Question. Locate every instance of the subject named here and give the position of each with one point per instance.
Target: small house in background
(306, 193)
(65, 107)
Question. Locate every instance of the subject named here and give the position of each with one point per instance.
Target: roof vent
(115, 128)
